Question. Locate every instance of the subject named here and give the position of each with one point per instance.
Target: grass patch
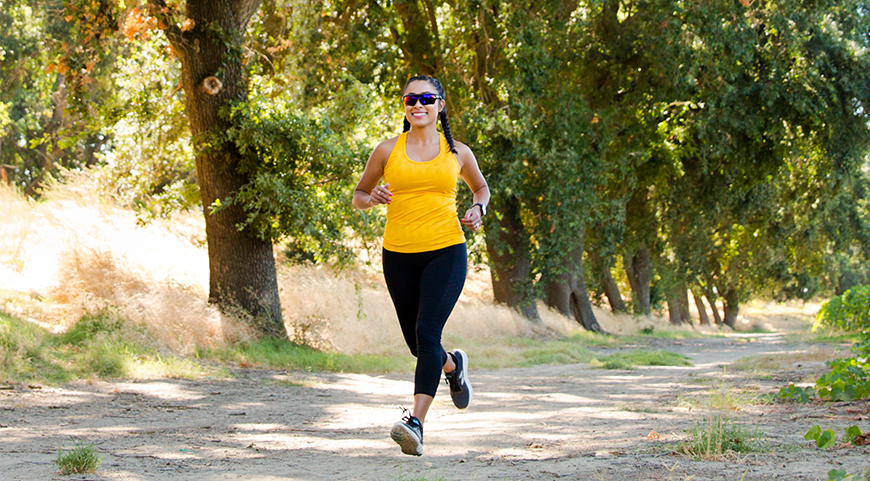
(637, 357)
(83, 459)
(98, 346)
(823, 336)
(503, 352)
(282, 354)
(719, 436)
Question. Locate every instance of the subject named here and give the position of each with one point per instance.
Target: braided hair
(442, 115)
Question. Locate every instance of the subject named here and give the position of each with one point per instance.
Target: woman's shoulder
(385, 148)
(463, 152)
(388, 144)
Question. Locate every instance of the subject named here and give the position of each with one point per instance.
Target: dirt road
(543, 422)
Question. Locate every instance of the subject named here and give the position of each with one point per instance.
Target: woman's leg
(402, 275)
(441, 283)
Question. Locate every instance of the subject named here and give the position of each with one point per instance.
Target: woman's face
(420, 115)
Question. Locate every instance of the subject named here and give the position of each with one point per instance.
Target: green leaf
(851, 433)
(838, 475)
(813, 433)
(827, 439)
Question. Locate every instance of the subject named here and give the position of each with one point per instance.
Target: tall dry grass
(77, 251)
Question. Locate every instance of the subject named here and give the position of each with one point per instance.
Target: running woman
(424, 254)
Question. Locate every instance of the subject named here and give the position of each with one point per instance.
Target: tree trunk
(241, 266)
(711, 298)
(732, 307)
(683, 304)
(611, 290)
(702, 310)
(638, 268)
(674, 310)
(508, 250)
(608, 283)
(568, 293)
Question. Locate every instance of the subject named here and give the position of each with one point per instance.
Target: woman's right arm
(368, 193)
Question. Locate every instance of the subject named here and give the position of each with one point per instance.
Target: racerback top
(422, 214)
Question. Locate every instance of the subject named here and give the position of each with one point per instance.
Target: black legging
(424, 287)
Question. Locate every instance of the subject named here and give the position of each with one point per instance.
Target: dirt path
(543, 422)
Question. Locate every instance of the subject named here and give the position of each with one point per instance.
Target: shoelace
(406, 418)
(452, 380)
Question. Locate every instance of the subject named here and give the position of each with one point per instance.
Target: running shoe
(409, 434)
(460, 388)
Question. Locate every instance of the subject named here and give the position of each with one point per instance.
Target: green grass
(83, 459)
(637, 357)
(282, 354)
(503, 352)
(718, 436)
(97, 346)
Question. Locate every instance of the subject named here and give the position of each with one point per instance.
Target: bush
(849, 312)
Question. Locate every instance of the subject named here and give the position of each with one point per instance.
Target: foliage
(849, 312)
(82, 459)
(827, 438)
(847, 381)
(795, 393)
(299, 166)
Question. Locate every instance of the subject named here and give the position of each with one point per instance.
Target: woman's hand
(380, 195)
(472, 219)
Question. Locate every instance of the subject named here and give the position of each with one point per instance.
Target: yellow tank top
(422, 214)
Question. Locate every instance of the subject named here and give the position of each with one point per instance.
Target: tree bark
(638, 268)
(711, 298)
(674, 310)
(683, 304)
(611, 290)
(568, 294)
(608, 283)
(507, 246)
(241, 266)
(732, 307)
(702, 310)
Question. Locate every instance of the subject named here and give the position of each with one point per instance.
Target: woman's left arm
(470, 173)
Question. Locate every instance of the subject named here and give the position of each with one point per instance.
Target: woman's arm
(470, 173)
(367, 193)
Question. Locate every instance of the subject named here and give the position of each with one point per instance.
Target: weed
(719, 436)
(83, 459)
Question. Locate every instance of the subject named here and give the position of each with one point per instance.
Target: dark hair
(442, 115)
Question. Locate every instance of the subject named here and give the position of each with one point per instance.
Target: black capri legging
(424, 287)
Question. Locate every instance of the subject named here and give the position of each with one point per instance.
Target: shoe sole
(463, 378)
(407, 439)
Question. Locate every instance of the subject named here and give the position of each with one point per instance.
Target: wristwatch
(482, 208)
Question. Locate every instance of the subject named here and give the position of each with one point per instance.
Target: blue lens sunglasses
(425, 99)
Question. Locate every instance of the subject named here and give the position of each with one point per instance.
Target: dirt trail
(543, 422)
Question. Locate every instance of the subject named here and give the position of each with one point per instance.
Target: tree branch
(159, 10)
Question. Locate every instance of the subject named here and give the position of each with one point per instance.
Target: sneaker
(409, 434)
(460, 388)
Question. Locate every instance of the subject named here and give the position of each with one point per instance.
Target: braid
(445, 126)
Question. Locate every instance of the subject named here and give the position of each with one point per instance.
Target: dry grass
(76, 252)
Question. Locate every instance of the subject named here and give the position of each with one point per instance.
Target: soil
(543, 422)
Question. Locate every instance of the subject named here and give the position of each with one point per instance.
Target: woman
(424, 253)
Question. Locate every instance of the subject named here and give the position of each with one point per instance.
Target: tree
(207, 39)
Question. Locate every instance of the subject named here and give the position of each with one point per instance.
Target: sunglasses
(425, 99)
